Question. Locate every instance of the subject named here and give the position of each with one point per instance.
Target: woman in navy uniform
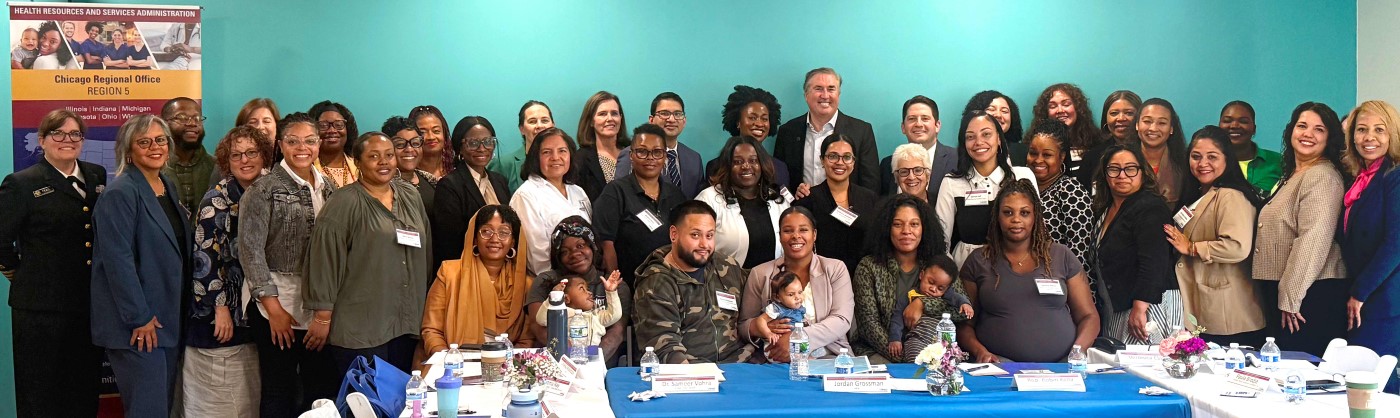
(46, 221)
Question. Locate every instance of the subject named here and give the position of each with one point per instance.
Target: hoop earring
(476, 252)
(511, 253)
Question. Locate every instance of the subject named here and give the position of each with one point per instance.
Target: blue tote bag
(381, 382)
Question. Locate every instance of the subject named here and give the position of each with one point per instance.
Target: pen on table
(970, 370)
(1107, 369)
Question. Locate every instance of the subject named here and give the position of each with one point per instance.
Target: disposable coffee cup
(493, 361)
(1361, 389)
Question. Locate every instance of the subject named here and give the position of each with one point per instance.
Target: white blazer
(731, 236)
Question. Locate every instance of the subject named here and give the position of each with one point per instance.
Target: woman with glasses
(480, 293)
(839, 208)
(335, 126)
(276, 214)
(630, 213)
(141, 261)
(747, 200)
(1131, 256)
(220, 372)
(964, 200)
(470, 187)
(367, 264)
(409, 147)
(46, 253)
(436, 157)
(910, 173)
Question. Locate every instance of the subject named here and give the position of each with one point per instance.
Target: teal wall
(488, 57)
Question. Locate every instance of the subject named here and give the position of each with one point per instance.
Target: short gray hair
(914, 152)
(822, 70)
(134, 127)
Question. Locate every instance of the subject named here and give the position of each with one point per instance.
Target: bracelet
(322, 321)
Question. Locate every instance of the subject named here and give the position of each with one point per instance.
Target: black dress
(836, 239)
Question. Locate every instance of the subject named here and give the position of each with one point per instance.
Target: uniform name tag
(409, 238)
(46, 190)
(977, 197)
(1185, 214)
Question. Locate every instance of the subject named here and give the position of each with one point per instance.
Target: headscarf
(477, 303)
(576, 227)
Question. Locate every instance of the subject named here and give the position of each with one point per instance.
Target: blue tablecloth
(765, 391)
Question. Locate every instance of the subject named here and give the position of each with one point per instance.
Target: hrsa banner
(106, 63)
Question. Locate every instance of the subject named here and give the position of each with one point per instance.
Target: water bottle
(579, 338)
(452, 362)
(1078, 362)
(649, 364)
(844, 363)
(524, 403)
(1234, 359)
(946, 330)
(797, 353)
(1295, 388)
(557, 325)
(1269, 354)
(510, 352)
(416, 392)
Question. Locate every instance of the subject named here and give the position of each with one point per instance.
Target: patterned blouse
(1070, 218)
(218, 277)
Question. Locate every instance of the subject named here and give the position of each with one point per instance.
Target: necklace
(1022, 261)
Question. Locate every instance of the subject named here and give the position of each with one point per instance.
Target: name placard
(1138, 358)
(856, 383)
(557, 387)
(1054, 382)
(570, 369)
(1253, 381)
(685, 384)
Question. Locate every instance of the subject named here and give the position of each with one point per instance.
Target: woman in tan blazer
(827, 297)
(1213, 232)
(1297, 258)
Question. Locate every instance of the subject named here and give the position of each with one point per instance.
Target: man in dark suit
(799, 140)
(46, 241)
(921, 126)
(683, 167)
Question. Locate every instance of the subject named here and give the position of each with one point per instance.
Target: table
(765, 391)
(1203, 391)
(488, 400)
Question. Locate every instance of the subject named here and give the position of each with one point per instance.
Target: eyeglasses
(679, 114)
(488, 142)
(187, 120)
(834, 157)
(649, 154)
(740, 162)
(400, 143)
(326, 126)
(916, 171)
(490, 234)
(1129, 171)
(294, 142)
(244, 156)
(60, 136)
(145, 143)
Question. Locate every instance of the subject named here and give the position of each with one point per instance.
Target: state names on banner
(141, 57)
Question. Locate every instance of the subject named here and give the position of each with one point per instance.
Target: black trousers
(398, 352)
(57, 369)
(1324, 307)
(291, 378)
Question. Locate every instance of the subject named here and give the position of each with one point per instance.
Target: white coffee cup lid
(1362, 377)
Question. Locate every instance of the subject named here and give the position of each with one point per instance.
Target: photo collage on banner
(105, 63)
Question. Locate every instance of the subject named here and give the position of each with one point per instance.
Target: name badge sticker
(727, 301)
(649, 219)
(846, 216)
(977, 197)
(46, 190)
(1049, 287)
(409, 238)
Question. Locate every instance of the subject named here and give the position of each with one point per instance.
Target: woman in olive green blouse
(369, 297)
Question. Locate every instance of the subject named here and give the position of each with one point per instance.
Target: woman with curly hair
(1066, 102)
(747, 202)
(905, 238)
(1007, 115)
(751, 112)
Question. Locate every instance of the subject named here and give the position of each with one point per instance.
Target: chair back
(1343, 358)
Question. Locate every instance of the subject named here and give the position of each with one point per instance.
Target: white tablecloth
(489, 400)
(1203, 391)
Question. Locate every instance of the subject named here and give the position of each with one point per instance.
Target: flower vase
(944, 385)
(1182, 368)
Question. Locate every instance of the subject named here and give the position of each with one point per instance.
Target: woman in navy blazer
(1370, 232)
(141, 260)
